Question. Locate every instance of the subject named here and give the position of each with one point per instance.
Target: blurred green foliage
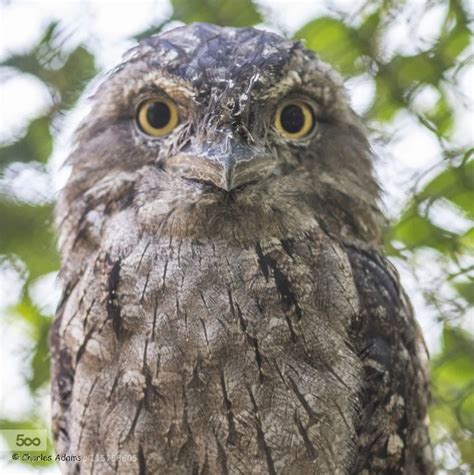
(355, 45)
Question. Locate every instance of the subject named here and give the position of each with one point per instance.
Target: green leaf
(71, 78)
(466, 447)
(35, 145)
(452, 411)
(466, 412)
(220, 12)
(453, 372)
(39, 325)
(26, 232)
(40, 362)
(442, 116)
(416, 231)
(334, 42)
(63, 72)
(450, 46)
(465, 290)
(368, 30)
(388, 99)
(455, 339)
(410, 70)
(456, 184)
(442, 421)
(33, 62)
(467, 239)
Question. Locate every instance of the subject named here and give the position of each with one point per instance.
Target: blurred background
(409, 70)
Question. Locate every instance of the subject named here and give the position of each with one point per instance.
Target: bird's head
(225, 132)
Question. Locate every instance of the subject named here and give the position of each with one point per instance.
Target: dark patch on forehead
(209, 55)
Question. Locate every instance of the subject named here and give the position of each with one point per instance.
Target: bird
(227, 307)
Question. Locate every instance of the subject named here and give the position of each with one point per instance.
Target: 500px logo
(19, 440)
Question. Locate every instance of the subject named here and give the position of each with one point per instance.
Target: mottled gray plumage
(226, 305)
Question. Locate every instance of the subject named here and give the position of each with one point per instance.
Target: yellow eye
(294, 120)
(157, 117)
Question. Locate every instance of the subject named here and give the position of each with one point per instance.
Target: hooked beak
(226, 168)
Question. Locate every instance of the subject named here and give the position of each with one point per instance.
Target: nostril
(245, 185)
(199, 181)
(244, 133)
(158, 164)
(208, 184)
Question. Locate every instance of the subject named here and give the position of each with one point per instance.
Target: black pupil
(292, 119)
(158, 115)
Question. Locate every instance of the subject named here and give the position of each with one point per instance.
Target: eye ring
(157, 116)
(294, 119)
